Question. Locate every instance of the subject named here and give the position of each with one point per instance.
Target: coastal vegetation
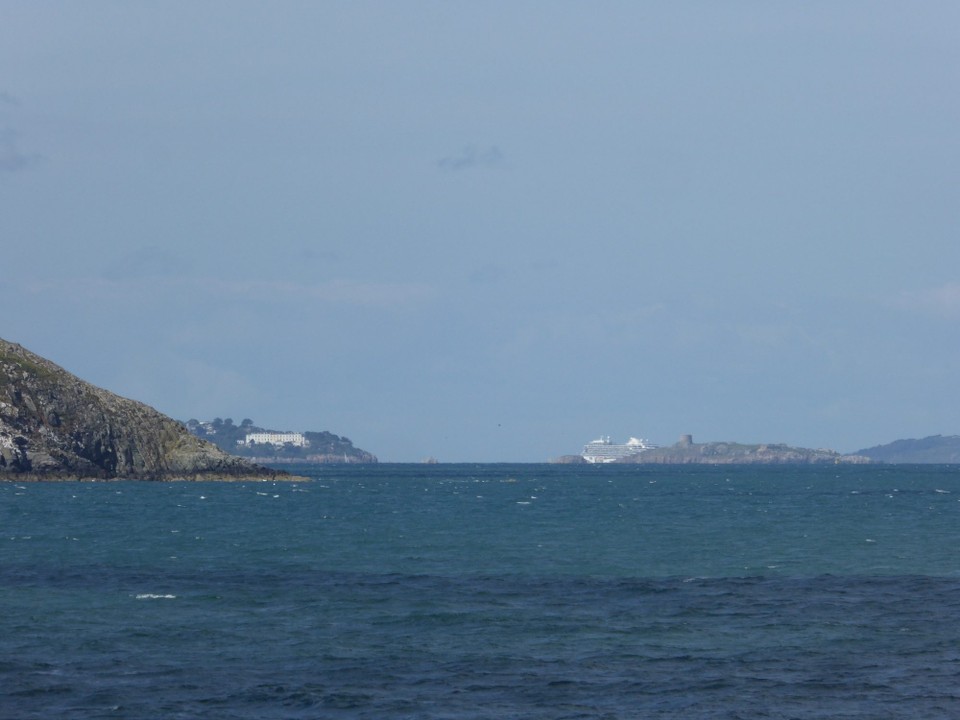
(318, 446)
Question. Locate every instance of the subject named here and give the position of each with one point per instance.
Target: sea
(486, 591)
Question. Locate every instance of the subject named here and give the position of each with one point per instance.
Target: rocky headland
(55, 426)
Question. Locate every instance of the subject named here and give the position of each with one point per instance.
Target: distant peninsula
(55, 426)
(278, 446)
(940, 449)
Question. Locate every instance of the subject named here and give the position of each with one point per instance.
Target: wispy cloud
(487, 274)
(310, 254)
(12, 157)
(471, 157)
(116, 288)
(943, 300)
(341, 292)
(150, 261)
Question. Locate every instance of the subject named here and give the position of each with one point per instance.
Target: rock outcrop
(55, 426)
(569, 460)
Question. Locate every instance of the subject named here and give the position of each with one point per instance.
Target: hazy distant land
(687, 452)
(54, 425)
(935, 449)
(941, 449)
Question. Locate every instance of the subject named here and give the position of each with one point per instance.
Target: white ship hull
(603, 451)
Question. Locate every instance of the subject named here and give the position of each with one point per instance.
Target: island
(733, 453)
(687, 452)
(55, 426)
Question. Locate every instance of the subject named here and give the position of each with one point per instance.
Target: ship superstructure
(604, 451)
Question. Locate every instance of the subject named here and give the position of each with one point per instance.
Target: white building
(274, 438)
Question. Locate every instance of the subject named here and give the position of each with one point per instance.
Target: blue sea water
(486, 591)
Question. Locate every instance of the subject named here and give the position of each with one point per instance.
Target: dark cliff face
(54, 425)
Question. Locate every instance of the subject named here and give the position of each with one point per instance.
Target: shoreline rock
(55, 426)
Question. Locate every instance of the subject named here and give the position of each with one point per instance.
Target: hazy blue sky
(492, 231)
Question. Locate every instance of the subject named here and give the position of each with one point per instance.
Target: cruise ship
(604, 451)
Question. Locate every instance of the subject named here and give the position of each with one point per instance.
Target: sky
(492, 231)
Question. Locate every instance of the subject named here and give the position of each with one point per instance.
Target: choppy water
(486, 591)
